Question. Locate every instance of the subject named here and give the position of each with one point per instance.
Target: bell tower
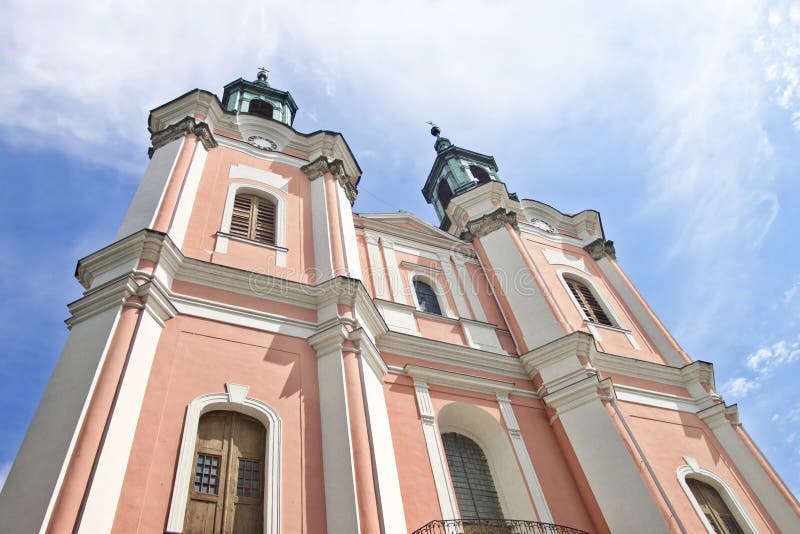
(456, 172)
(258, 98)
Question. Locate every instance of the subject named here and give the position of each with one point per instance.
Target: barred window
(472, 479)
(253, 218)
(588, 303)
(426, 298)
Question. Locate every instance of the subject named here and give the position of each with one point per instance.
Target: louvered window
(714, 508)
(254, 218)
(592, 309)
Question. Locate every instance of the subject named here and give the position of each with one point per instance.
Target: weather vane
(435, 130)
(263, 72)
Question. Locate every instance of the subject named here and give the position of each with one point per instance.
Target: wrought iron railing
(493, 526)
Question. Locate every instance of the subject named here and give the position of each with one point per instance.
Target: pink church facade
(494, 374)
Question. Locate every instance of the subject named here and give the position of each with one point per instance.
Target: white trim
(275, 195)
(76, 432)
(376, 267)
(524, 459)
(462, 273)
(441, 473)
(183, 210)
(112, 459)
(270, 179)
(323, 258)
(722, 488)
(272, 473)
(441, 377)
(393, 271)
(455, 288)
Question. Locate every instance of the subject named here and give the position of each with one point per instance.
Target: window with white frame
(253, 218)
(588, 302)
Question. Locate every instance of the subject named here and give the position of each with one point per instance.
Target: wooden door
(227, 493)
(714, 508)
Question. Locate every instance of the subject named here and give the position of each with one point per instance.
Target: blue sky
(678, 121)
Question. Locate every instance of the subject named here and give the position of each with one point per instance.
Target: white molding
(393, 271)
(272, 473)
(559, 257)
(323, 257)
(376, 267)
(440, 377)
(524, 459)
(455, 287)
(433, 351)
(441, 474)
(112, 459)
(723, 489)
(656, 398)
(270, 179)
(186, 200)
(472, 295)
(275, 195)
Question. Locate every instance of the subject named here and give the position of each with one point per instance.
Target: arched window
(260, 107)
(227, 491)
(714, 508)
(253, 218)
(472, 479)
(592, 309)
(426, 298)
(445, 193)
(480, 174)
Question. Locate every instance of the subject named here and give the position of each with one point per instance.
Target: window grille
(472, 480)
(206, 473)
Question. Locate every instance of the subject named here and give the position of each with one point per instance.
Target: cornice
(452, 379)
(206, 105)
(180, 129)
(579, 393)
(486, 224)
(106, 296)
(321, 166)
(572, 345)
(426, 236)
(599, 249)
(433, 351)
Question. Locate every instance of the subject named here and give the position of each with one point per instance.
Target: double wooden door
(714, 508)
(226, 495)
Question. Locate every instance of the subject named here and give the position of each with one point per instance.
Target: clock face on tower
(262, 143)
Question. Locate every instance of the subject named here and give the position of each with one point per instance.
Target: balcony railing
(493, 526)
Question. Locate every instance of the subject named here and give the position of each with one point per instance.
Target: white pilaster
(144, 206)
(183, 210)
(338, 468)
(535, 489)
(323, 260)
(376, 267)
(455, 288)
(348, 233)
(387, 480)
(112, 462)
(393, 271)
(441, 478)
(469, 287)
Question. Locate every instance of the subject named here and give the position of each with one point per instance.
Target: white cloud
(767, 359)
(790, 293)
(779, 46)
(739, 387)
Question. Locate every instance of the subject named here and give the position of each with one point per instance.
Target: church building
(250, 356)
